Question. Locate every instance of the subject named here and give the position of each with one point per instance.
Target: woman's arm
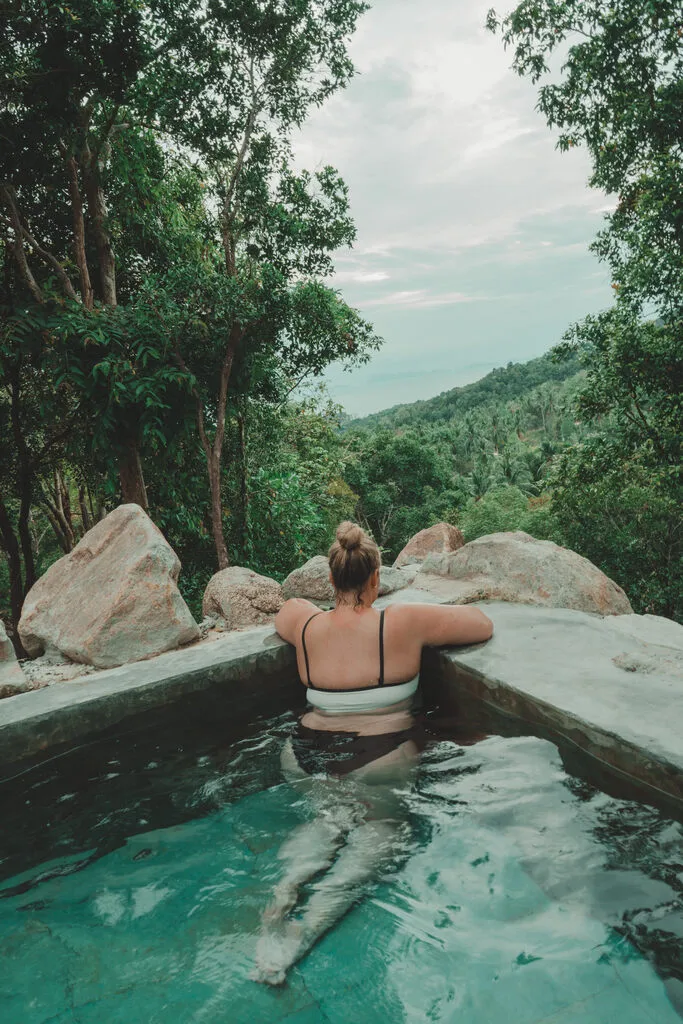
(438, 624)
(290, 620)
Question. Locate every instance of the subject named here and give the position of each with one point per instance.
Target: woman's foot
(276, 953)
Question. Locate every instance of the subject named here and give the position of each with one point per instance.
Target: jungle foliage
(164, 265)
(164, 291)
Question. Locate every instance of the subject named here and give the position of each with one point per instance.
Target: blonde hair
(353, 557)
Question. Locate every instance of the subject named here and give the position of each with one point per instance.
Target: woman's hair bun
(349, 536)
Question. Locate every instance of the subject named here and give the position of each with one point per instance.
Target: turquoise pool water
(133, 879)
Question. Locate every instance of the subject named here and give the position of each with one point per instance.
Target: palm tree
(512, 468)
(481, 479)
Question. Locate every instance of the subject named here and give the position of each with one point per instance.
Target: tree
(142, 137)
(264, 299)
(623, 515)
(88, 88)
(403, 480)
(620, 93)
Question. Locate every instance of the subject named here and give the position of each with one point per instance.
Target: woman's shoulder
(291, 618)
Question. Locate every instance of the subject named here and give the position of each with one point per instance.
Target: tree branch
(643, 420)
(78, 228)
(109, 124)
(295, 385)
(228, 209)
(17, 247)
(47, 256)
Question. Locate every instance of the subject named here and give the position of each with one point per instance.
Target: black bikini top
(381, 654)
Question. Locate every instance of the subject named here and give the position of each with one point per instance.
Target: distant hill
(501, 385)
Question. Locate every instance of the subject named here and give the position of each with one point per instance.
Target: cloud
(360, 276)
(459, 196)
(420, 299)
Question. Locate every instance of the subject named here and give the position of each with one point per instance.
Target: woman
(356, 747)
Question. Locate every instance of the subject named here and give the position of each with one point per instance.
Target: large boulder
(436, 539)
(516, 567)
(391, 579)
(12, 678)
(312, 581)
(111, 600)
(239, 597)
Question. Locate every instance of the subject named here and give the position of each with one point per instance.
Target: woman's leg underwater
(366, 807)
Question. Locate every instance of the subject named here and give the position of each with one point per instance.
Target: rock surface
(312, 581)
(255, 669)
(239, 597)
(556, 667)
(661, 650)
(438, 539)
(517, 568)
(54, 668)
(12, 678)
(391, 579)
(650, 629)
(111, 600)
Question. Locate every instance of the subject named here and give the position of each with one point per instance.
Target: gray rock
(439, 538)
(12, 678)
(550, 667)
(517, 568)
(311, 580)
(663, 661)
(111, 600)
(237, 597)
(662, 645)
(391, 580)
(49, 669)
(651, 629)
(254, 670)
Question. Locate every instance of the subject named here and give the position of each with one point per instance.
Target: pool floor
(513, 903)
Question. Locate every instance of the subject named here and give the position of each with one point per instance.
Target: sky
(472, 229)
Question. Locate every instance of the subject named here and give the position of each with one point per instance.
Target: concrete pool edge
(34, 722)
(550, 668)
(557, 670)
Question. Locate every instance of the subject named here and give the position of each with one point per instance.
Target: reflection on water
(132, 892)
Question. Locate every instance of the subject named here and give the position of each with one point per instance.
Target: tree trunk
(132, 481)
(85, 517)
(97, 209)
(213, 452)
(244, 489)
(30, 574)
(56, 525)
(78, 224)
(213, 463)
(11, 548)
(25, 480)
(62, 511)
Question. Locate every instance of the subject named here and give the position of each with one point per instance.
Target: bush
(504, 509)
(622, 511)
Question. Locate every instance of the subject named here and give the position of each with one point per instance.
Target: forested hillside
(503, 384)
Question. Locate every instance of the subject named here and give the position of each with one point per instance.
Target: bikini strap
(303, 644)
(381, 648)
